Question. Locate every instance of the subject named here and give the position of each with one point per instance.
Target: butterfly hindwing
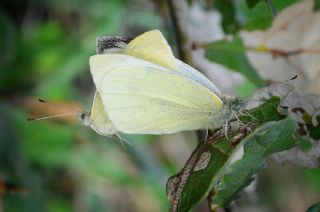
(142, 97)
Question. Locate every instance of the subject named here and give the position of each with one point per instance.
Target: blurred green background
(59, 165)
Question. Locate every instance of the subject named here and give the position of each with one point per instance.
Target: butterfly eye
(83, 115)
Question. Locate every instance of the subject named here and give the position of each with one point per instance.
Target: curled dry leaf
(291, 46)
(305, 110)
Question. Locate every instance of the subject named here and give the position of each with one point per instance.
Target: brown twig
(275, 52)
(182, 42)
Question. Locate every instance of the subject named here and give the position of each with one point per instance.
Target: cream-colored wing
(143, 98)
(99, 120)
(153, 47)
(194, 74)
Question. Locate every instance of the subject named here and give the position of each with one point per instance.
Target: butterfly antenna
(274, 86)
(246, 113)
(251, 116)
(56, 105)
(260, 102)
(293, 78)
(235, 115)
(49, 117)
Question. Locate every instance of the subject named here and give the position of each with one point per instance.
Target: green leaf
(196, 178)
(259, 15)
(232, 55)
(314, 208)
(200, 173)
(311, 178)
(228, 12)
(272, 137)
(315, 130)
(304, 144)
(252, 3)
(316, 5)
(265, 112)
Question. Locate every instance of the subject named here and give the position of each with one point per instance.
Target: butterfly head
(84, 117)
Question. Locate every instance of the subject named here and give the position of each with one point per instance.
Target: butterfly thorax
(232, 105)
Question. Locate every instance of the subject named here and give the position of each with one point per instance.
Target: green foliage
(314, 208)
(257, 14)
(44, 51)
(316, 5)
(265, 112)
(228, 11)
(35, 134)
(268, 139)
(272, 133)
(193, 183)
(252, 3)
(232, 55)
(257, 17)
(314, 130)
(199, 181)
(311, 177)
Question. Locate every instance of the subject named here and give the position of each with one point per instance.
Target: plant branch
(175, 11)
(272, 8)
(260, 49)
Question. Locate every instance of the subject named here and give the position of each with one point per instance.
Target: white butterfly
(143, 89)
